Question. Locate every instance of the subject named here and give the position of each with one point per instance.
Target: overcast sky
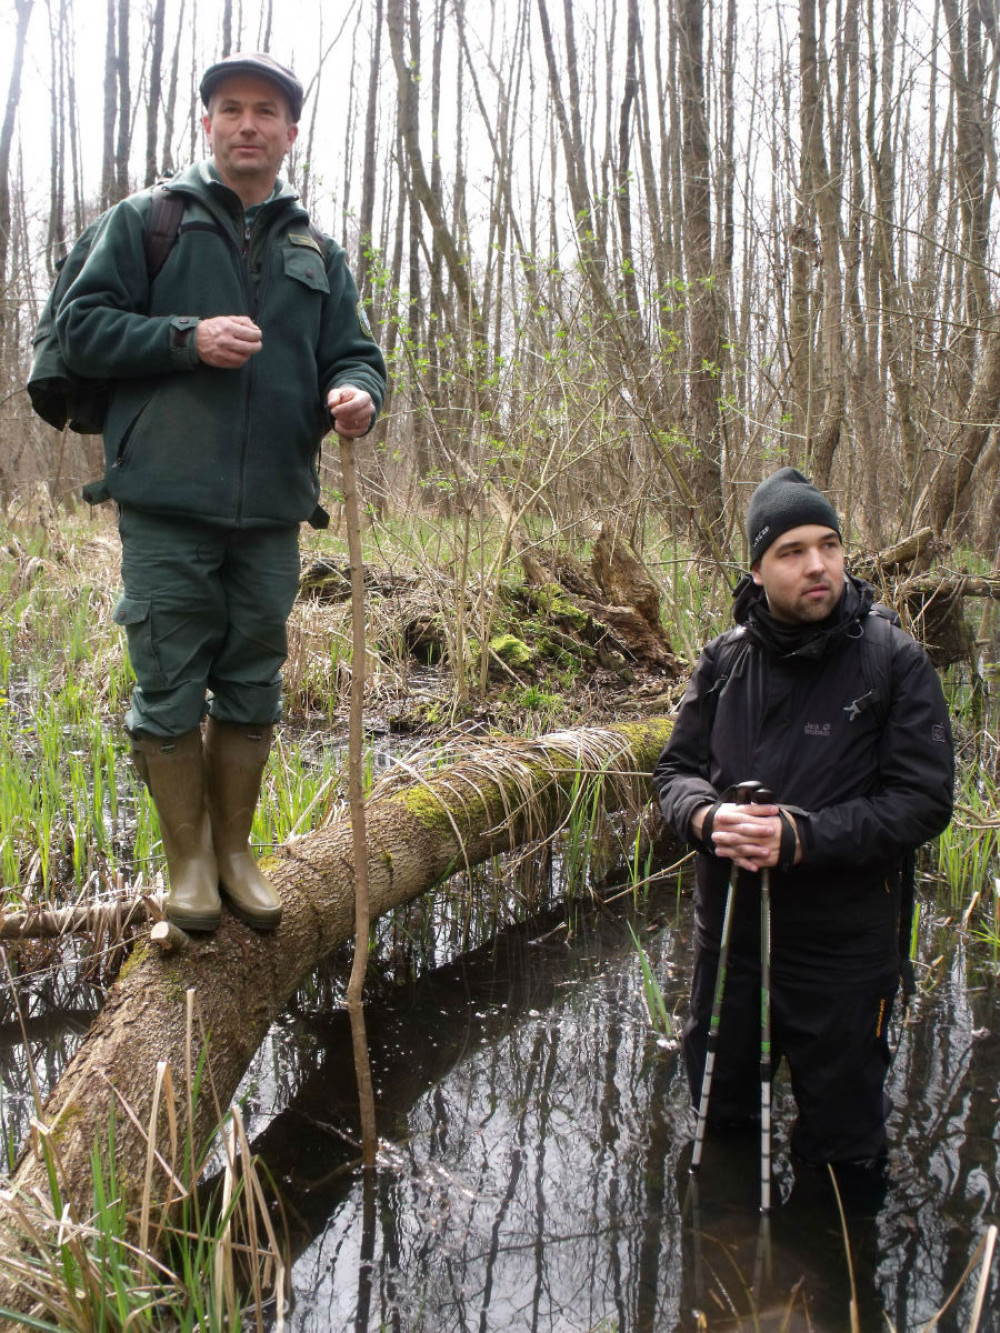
(301, 29)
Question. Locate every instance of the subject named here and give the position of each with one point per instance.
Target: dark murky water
(536, 1136)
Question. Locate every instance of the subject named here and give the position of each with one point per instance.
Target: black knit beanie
(783, 501)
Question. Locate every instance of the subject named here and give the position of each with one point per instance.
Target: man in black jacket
(839, 714)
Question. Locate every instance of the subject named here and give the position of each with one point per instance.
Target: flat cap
(261, 64)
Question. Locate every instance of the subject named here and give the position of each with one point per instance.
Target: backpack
(57, 395)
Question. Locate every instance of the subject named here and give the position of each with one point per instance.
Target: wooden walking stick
(355, 752)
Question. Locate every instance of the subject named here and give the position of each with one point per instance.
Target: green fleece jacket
(233, 447)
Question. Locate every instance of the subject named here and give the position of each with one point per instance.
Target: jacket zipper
(244, 254)
(255, 302)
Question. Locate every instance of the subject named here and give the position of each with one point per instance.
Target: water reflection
(535, 1173)
(536, 1140)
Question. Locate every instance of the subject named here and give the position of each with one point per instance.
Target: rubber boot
(235, 755)
(173, 768)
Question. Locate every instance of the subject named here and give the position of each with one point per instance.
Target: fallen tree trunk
(916, 550)
(419, 832)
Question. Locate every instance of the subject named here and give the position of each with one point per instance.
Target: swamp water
(536, 1134)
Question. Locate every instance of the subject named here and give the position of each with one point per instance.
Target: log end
(168, 938)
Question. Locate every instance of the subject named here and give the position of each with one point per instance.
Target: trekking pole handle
(745, 793)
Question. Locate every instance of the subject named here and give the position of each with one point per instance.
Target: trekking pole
(742, 794)
(764, 797)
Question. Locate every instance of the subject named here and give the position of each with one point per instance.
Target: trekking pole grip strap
(707, 825)
(789, 840)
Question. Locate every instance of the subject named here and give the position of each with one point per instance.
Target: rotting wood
(330, 581)
(419, 831)
(931, 603)
(625, 581)
(918, 548)
(116, 915)
(950, 586)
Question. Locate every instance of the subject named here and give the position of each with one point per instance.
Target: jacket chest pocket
(304, 265)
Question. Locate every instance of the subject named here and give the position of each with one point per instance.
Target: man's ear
(755, 574)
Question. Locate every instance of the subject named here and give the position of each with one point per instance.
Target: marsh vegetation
(624, 260)
(522, 1017)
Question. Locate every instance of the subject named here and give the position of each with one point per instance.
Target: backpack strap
(321, 240)
(162, 226)
(734, 647)
(876, 663)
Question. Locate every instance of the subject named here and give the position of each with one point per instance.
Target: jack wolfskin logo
(939, 733)
(822, 729)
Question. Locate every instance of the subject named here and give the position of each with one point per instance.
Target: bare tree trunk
(123, 67)
(55, 246)
(155, 96)
(623, 191)
(822, 190)
(571, 133)
(429, 202)
(227, 29)
(366, 217)
(974, 86)
(170, 106)
(110, 109)
(957, 463)
(704, 324)
(264, 29)
(418, 833)
(23, 8)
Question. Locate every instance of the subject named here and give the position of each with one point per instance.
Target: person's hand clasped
(352, 410)
(749, 835)
(227, 341)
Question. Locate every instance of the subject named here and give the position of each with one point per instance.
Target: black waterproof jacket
(856, 737)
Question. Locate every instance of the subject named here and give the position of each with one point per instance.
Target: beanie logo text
(761, 535)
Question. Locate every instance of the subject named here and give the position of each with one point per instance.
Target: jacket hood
(809, 641)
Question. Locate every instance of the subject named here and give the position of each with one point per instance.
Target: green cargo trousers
(205, 613)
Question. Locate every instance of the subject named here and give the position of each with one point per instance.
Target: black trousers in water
(834, 1038)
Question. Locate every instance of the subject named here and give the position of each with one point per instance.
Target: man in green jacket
(228, 367)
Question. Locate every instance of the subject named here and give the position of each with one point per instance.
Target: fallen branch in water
(83, 918)
(420, 831)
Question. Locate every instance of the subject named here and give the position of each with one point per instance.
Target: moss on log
(419, 832)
